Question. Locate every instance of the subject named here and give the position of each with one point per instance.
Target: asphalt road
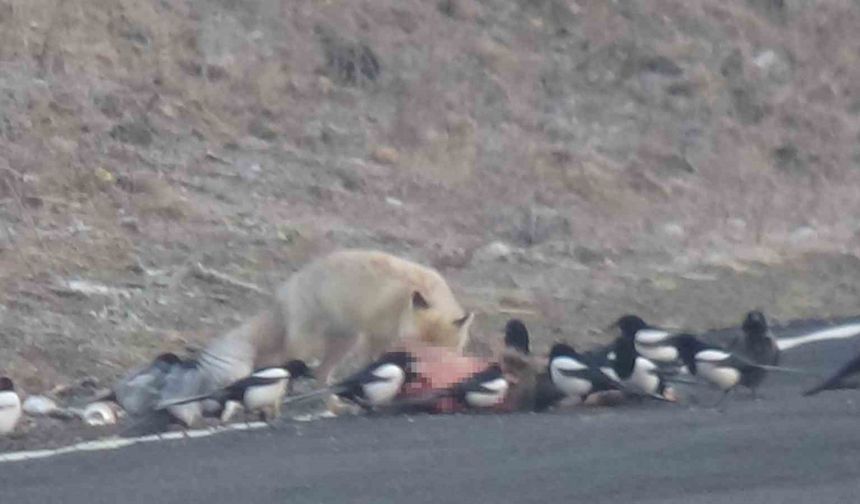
(781, 449)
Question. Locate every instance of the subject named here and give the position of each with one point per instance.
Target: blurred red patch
(439, 368)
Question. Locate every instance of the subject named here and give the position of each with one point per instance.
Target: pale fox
(359, 302)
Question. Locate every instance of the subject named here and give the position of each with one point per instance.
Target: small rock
(765, 59)
(385, 155)
(802, 234)
(451, 257)
(772, 65)
(99, 413)
(673, 230)
(39, 405)
(393, 201)
(495, 251)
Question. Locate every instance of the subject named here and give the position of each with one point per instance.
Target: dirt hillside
(566, 161)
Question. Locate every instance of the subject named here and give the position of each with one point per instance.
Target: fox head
(435, 325)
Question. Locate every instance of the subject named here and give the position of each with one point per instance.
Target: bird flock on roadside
(643, 362)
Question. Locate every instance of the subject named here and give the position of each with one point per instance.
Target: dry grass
(698, 132)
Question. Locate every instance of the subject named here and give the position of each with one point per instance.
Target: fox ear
(418, 301)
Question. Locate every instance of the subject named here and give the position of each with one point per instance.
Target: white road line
(114, 443)
(832, 333)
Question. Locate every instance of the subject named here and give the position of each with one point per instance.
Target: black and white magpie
(375, 385)
(260, 392)
(651, 342)
(484, 389)
(846, 377)
(758, 345)
(720, 367)
(575, 375)
(10, 405)
(636, 373)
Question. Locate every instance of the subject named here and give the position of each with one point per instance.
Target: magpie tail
(185, 400)
(313, 393)
(787, 370)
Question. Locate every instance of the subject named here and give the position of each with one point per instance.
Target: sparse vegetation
(687, 159)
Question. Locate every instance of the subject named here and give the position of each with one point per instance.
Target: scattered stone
(385, 155)
(99, 413)
(86, 288)
(38, 405)
(673, 230)
(494, 251)
(393, 201)
(451, 257)
(773, 66)
(802, 235)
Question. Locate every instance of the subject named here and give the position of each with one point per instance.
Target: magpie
(575, 375)
(261, 392)
(484, 389)
(756, 344)
(375, 385)
(636, 373)
(844, 378)
(10, 405)
(651, 342)
(517, 336)
(720, 367)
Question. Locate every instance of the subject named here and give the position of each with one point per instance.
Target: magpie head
(517, 336)
(298, 369)
(562, 350)
(755, 324)
(687, 345)
(403, 360)
(629, 325)
(6, 384)
(625, 357)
